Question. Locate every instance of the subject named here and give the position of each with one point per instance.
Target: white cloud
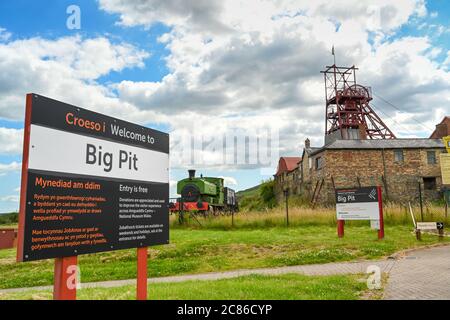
(247, 64)
(11, 141)
(11, 167)
(64, 69)
(229, 181)
(198, 14)
(10, 198)
(261, 66)
(4, 35)
(218, 16)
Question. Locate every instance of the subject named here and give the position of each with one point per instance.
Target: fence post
(232, 217)
(420, 200)
(286, 195)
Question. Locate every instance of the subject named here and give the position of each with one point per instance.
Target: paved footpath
(418, 274)
(422, 274)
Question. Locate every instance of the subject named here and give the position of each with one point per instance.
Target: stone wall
(353, 168)
(287, 181)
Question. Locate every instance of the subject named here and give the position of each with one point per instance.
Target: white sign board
(90, 183)
(426, 225)
(358, 204)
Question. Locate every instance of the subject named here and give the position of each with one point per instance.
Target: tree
(267, 193)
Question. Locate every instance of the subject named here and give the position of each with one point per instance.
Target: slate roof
(312, 150)
(415, 143)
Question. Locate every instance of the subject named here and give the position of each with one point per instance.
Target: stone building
(286, 176)
(399, 166)
(361, 150)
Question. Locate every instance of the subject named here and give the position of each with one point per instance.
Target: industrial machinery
(205, 194)
(348, 112)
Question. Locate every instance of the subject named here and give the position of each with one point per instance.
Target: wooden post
(232, 217)
(141, 287)
(441, 234)
(420, 200)
(446, 209)
(418, 234)
(334, 185)
(384, 176)
(65, 279)
(286, 195)
(181, 213)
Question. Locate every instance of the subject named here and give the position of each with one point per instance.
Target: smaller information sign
(426, 226)
(357, 204)
(430, 226)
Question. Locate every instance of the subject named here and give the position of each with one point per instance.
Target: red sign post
(141, 287)
(340, 228)
(380, 204)
(65, 279)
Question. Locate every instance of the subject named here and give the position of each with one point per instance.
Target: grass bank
(209, 250)
(254, 287)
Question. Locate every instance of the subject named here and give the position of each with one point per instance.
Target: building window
(429, 183)
(310, 163)
(319, 163)
(431, 157)
(398, 156)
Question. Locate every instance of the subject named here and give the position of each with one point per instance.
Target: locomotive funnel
(191, 174)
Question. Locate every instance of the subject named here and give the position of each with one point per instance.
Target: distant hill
(250, 199)
(9, 218)
(253, 191)
(257, 198)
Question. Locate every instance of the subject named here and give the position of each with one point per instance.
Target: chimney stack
(191, 174)
(307, 143)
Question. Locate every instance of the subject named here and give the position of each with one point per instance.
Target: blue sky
(203, 68)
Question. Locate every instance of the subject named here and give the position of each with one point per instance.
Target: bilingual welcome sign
(90, 183)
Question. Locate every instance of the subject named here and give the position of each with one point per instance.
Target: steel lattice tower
(348, 112)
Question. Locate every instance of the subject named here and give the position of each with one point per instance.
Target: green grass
(209, 250)
(254, 287)
(305, 216)
(253, 191)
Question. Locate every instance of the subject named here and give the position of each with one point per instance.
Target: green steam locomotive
(207, 194)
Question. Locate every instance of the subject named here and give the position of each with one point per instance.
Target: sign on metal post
(360, 204)
(90, 183)
(445, 168)
(446, 141)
